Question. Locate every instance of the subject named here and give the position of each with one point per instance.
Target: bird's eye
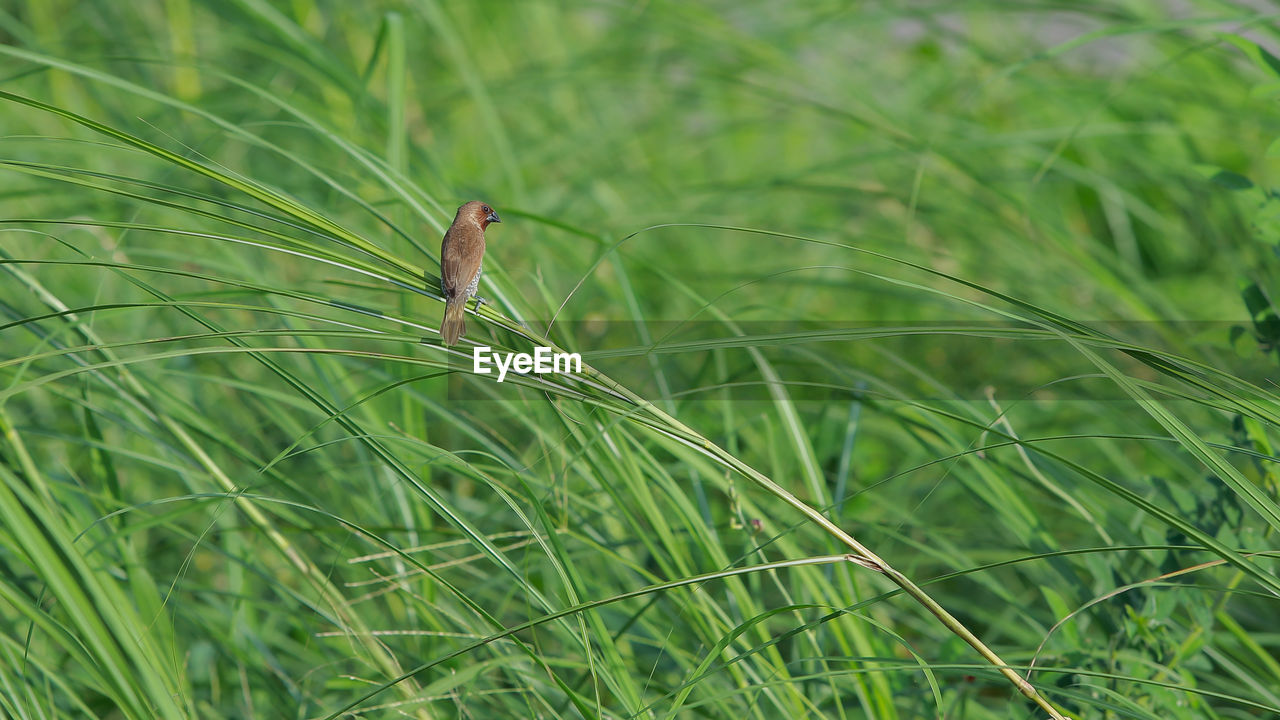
(486, 209)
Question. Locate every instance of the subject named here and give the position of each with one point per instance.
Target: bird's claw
(479, 301)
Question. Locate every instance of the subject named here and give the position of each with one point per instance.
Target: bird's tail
(454, 325)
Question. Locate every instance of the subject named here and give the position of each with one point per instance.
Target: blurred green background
(989, 285)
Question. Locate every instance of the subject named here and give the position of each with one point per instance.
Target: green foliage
(901, 323)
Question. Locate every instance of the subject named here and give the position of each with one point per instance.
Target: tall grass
(930, 361)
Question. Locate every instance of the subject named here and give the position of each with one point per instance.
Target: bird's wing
(460, 257)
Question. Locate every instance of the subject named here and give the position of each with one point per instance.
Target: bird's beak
(493, 217)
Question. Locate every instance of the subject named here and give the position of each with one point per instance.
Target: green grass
(929, 350)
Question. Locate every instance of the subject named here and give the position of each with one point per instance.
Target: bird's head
(478, 212)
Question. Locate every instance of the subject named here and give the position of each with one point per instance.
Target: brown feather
(454, 325)
(461, 254)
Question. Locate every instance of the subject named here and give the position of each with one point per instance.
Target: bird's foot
(479, 301)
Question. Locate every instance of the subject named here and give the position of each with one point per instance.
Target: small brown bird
(461, 254)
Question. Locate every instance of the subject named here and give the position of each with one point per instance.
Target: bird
(461, 255)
